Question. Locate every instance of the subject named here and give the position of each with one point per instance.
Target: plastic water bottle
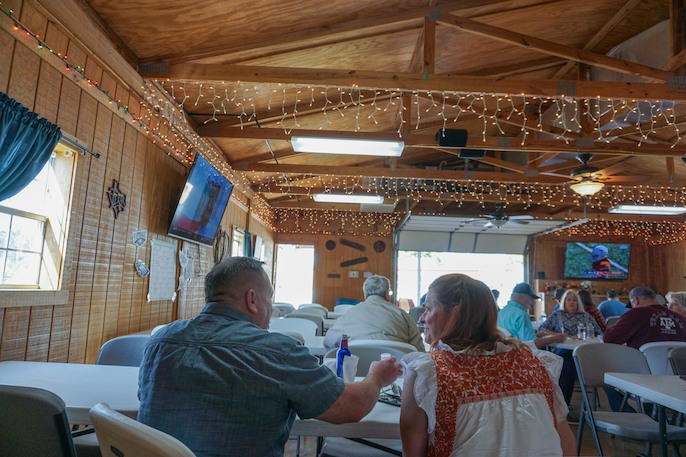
(342, 353)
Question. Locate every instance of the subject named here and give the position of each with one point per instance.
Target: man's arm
(622, 331)
(358, 398)
(547, 338)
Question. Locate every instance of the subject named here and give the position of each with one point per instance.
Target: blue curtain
(247, 245)
(26, 143)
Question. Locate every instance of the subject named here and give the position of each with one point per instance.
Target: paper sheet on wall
(162, 271)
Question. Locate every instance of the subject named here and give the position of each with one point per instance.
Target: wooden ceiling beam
(602, 33)
(555, 49)
(335, 28)
(428, 140)
(518, 68)
(411, 173)
(412, 81)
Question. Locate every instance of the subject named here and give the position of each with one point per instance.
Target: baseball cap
(524, 288)
(641, 291)
(559, 292)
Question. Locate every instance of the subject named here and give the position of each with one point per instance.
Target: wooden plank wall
(328, 262)
(236, 215)
(105, 296)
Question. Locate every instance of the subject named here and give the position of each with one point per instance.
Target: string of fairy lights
(607, 119)
(334, 222)
(652, 233)
(161, 128)
(165, 121)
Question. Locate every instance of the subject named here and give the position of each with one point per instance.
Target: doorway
(294, 279)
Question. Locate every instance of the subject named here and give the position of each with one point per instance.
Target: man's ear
(250, 304)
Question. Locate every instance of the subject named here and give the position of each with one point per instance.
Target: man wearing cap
(559, 292)
(514, 317)
(646, 322)
(612, 306)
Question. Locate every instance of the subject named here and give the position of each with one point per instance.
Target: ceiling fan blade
(626, 179)
(519, 221)
(521, 217)
(616, 168)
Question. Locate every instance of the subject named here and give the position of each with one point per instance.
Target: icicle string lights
(609, 119)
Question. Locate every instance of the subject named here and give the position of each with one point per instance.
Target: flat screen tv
(597, 260)
(201, 205)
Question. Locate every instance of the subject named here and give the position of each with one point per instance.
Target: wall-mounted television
(202, 203)
(597, 260)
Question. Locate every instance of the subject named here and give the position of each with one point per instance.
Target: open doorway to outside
(294, 280)
(418, 269)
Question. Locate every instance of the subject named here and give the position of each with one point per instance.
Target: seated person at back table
(477, 393)
(375, 318)
(612, 306)
(514, 318)
(676, 301)
(567, 321)
(646, 322)
(223, 385)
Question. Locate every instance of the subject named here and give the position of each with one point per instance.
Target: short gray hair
(677, 298)
(225, 272)
(376, 285)
(642, 291)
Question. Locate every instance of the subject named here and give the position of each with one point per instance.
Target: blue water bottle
(342, 353)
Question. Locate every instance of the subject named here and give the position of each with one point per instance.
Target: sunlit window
(33, 227)
(237, 242)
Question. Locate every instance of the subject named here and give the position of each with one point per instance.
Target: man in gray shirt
(375, 318)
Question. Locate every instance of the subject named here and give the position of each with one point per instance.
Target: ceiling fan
(498, 218)
(607, 174)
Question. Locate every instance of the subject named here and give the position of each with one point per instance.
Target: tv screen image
(202, 203)
(597, 260)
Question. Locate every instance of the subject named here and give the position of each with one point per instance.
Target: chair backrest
(317, 319)
(342, 308)
(283, 309)
(157, 328)
(612, 320)
(346, 301)
(594, 360)
(321, 312)
(311, 305)
(677, 358)
(295, 335)
(120, 435)
(33, 422)
(657, 353)
(303, 326)
(417, 312)
(370, 350)
(123, 350)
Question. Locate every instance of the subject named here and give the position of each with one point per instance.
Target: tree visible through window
(33, 227)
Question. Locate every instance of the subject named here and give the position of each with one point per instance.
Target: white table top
(81, 386)
(573, 343)
(382, 422)
(666, 390)
(316, 345)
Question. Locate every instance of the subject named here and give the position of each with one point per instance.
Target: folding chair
(592, 361)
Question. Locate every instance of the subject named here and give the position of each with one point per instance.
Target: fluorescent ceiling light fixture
(350, 146)
(648, 209)
(585, 188)
(348, 198)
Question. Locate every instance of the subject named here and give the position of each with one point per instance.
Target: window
(418, 269)
(33, 227)
(237, 242)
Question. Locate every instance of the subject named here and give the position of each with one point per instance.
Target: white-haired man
(375, 318)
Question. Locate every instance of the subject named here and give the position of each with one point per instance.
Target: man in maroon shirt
(646, 322)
